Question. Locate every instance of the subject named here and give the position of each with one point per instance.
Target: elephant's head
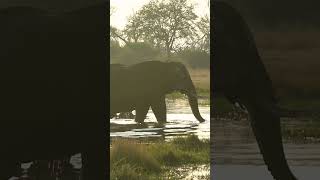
(180, 80)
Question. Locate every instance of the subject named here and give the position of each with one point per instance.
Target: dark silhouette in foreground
(53, 88)
(51, 170)
(144, 85)
(239, 74)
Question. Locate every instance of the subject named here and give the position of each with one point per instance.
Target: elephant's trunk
(265, 122)
(193, 101)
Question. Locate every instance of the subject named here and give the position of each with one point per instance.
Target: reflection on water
(189, 172)
(180, 122)
(235, 144)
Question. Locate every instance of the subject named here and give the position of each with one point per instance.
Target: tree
(200, 38)
(203, 34)
(133, 31)
(115, 34)
(163, 23)
(133, 53)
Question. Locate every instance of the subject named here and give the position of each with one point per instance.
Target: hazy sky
(124, 8)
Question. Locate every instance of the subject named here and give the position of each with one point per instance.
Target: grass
(305, 132)
(292, 60)
(124, 151)
(201, 80)
(128, 160)
(131, 159)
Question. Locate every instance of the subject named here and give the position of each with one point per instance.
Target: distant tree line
(163, 30)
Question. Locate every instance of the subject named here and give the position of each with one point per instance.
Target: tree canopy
(165, 28)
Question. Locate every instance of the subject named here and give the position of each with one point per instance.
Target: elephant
(240, 75)
(144, 85)
(54, 87)
(125, 115)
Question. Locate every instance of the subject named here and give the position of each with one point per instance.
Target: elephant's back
(122, 85)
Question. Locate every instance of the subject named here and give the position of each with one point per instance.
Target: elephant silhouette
(240, 76)
(144, 85)
(54, 87)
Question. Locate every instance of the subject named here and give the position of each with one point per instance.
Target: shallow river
(234, 149)
(180, 122)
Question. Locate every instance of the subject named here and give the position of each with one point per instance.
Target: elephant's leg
(141, 112)
(160, 110)
(265, 122)
(94, 164)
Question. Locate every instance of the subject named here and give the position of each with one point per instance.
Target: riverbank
(303, 125)
(132, 159)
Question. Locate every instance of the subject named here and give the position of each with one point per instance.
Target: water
(250, 172)
(234, 149)
(180, 122)
(189, 172)
(180, 119)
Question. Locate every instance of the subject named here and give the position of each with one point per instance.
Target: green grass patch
(182, 150)
(131, 159)
(125, 151)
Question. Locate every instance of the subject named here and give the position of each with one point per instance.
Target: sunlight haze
(125, 8)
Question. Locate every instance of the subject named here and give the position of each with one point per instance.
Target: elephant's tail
(265, 122)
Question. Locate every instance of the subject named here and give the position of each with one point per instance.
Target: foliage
(199, 40)
(165, 22)
(133, 53)
(133, 30)
(130, 159)
(133, 153)
(163, 30)
(195, 58)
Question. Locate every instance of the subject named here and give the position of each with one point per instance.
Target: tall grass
(131, 159)
(135, 153)
(201, 78)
